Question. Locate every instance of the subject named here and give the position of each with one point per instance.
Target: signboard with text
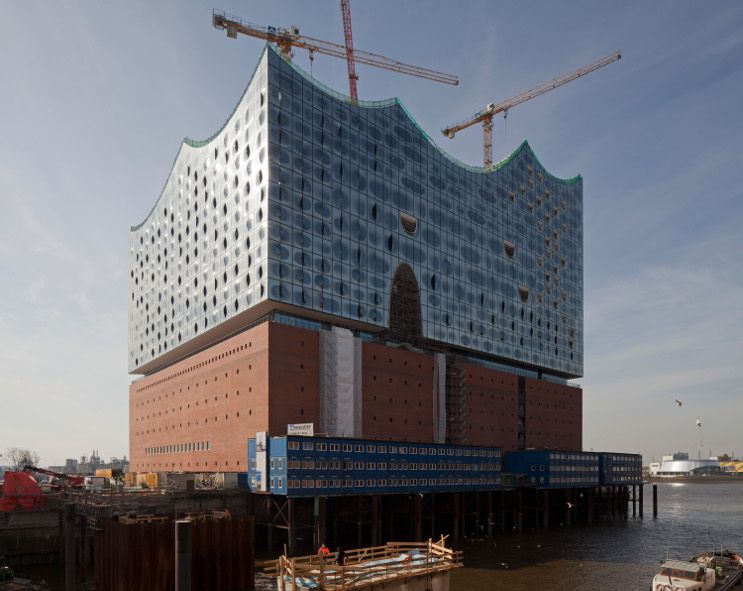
(303, 429)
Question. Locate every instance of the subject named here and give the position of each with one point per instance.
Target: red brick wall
(554, 415)
(397, 388)
(492, 407)
(268, 376)
(294, 377)
(221, 396)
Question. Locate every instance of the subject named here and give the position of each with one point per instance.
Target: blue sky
(97, 96)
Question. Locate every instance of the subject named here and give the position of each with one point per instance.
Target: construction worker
(323, 551)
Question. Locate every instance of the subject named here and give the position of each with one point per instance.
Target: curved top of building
(313, 203)
(369, 104)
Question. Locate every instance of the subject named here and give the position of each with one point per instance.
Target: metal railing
(363, 567)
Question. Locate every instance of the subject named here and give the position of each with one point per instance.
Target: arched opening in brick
(405, 306)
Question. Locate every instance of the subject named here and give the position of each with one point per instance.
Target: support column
(391, 520)
(625, 501)
(320, 516)
(655, 501)
(546, 508)
(502, 524)
(433, 515)
(418, 512)
(70, 559)
(291, 533)
(641, 502)
(568, 508)
(269, 524)
(359, 521)
(335, 523)
(591, 493)
(375, 521)
(490, 514)
(455, 533)
(183, 540)
(477, 515)
(520, 509)
(634, 500)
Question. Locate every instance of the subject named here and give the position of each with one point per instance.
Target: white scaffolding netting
(340, 383)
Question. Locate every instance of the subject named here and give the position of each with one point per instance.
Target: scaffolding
(457, 428)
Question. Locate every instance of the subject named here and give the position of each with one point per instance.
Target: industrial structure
(679, 464)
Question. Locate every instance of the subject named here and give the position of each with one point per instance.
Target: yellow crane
(286, 39)
(486, 115)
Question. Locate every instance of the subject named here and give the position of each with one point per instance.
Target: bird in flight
(679, 403)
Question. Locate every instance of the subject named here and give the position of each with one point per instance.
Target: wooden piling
(655, 501)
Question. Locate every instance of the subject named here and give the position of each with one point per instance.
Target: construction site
(340, 334)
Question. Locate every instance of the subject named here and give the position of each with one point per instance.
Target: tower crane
(286, 39)
(486, 115)
(352, 77)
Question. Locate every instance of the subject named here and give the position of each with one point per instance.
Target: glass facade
(337, 196)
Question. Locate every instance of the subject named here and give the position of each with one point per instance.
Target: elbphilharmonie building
(321, 260)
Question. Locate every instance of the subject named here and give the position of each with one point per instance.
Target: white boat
(710, 571)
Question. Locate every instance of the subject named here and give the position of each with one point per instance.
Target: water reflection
(622, 555)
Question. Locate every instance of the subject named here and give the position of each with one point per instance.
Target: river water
(617, 555)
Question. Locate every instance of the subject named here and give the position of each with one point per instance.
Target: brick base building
(197, 414)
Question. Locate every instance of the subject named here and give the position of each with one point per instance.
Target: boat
(710, 571)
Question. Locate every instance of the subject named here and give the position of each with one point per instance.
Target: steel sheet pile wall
(142, 555)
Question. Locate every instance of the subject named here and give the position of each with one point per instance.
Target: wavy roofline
(396, 101)
(372, 104)
(192, 143)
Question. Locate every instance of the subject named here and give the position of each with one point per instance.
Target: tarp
(340, 383)
(20, 491)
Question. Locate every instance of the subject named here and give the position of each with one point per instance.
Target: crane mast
(352, 77)
(486, 115)
(286, 39)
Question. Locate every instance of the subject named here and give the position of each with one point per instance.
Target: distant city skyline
(99, 98)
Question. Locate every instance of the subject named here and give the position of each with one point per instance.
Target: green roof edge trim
(396, 101)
